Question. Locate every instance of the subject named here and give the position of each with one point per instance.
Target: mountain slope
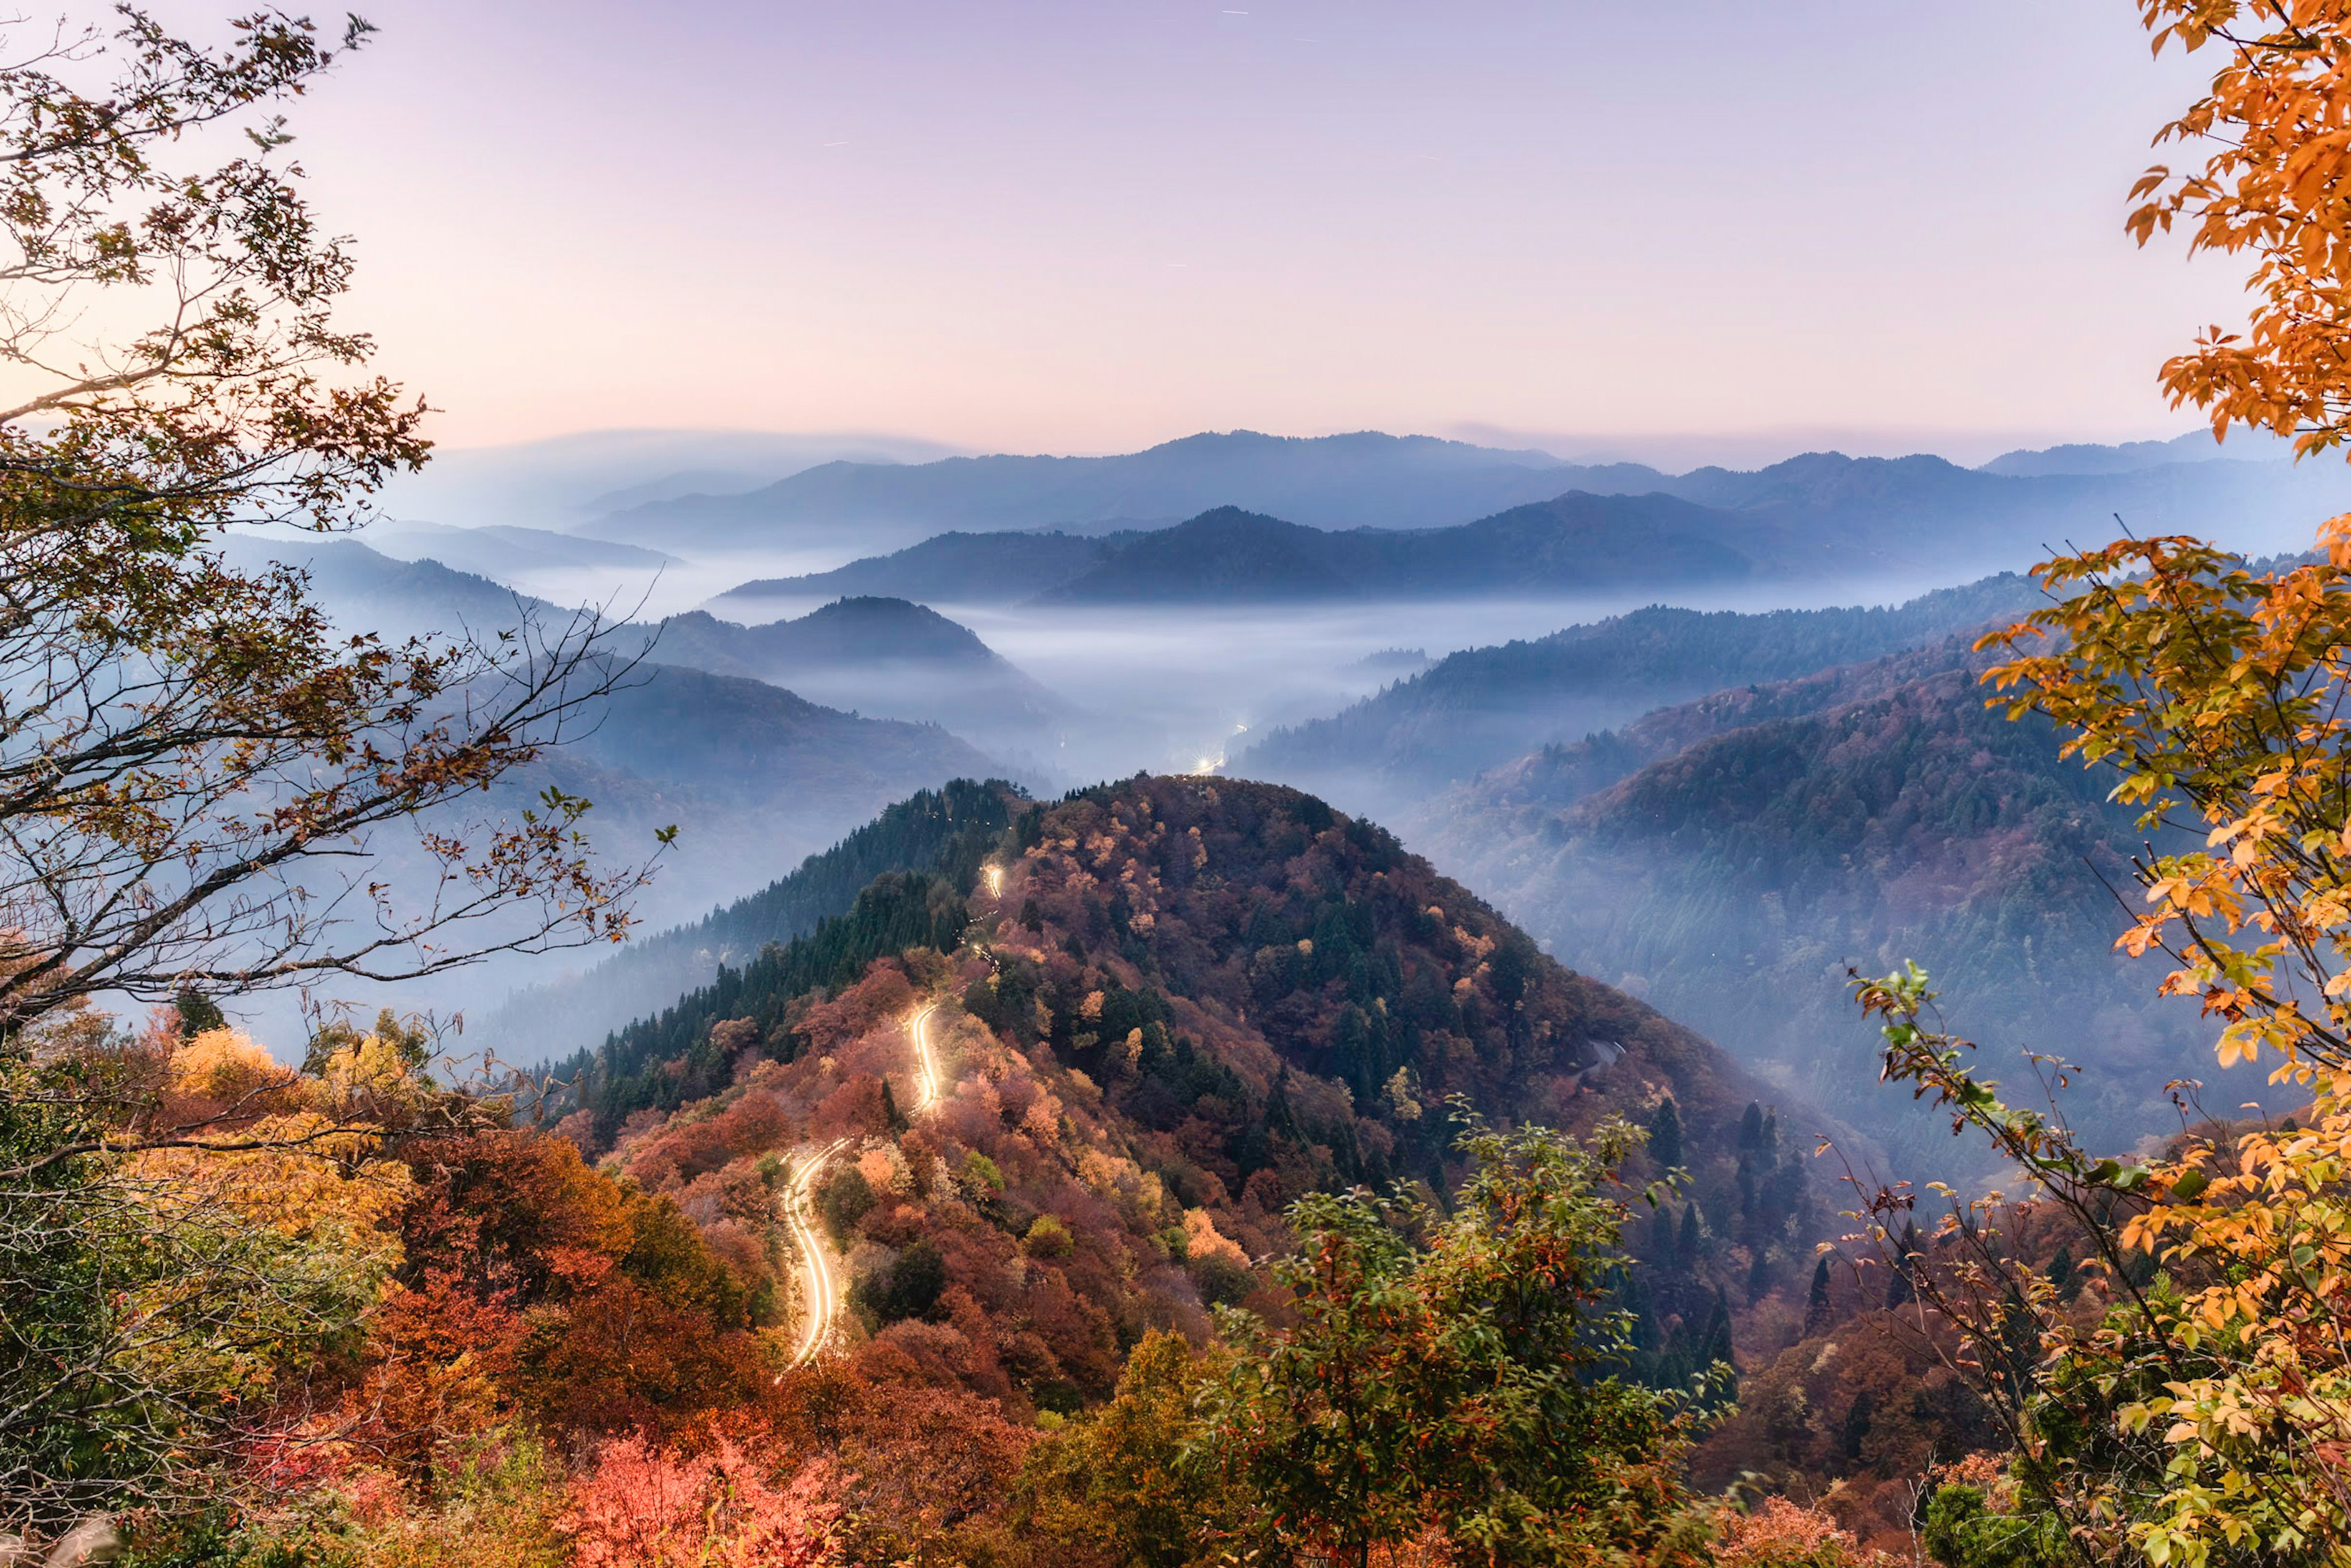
(1184, 1003)
(1863, 816)
(889, 657)
(951, 568)
(931, 831)
(1483, 707)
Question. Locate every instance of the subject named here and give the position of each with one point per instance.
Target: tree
(1463, 1387)
(200, 776)
(1117, 1486)
(1665, 1134)
(2272, 187)
(153, 1303)
(196, 766)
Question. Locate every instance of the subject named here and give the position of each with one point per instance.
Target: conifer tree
(1665, 1134)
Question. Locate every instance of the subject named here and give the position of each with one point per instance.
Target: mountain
(1820, 512)
(506, 554)
(564, 480)
(1335, 481)
(1179, 1004)
(952, 569)
(1483, 707)
(2196, 446)
(878, 657)
(1727, 859)
(1567, 545)
(929, 831)
(889, 655)
(757, 776)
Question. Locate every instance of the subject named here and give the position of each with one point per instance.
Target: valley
(1053, 657)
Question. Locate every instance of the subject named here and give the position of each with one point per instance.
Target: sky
(1047, 226)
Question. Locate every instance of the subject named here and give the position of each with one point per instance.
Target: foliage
(1779, 1534)
(646, 1508)
(2271, 189)
(191, 757)
(157, 1303)
(1462, 1387)
(1117, 1485)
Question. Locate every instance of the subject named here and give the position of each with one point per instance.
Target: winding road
(823, 1291)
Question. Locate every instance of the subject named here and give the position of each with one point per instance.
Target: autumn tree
(2275, 186)
(200, 776)
(196, 766)
(1461, 1387)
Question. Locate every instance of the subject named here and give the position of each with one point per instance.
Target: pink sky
(1085, 226)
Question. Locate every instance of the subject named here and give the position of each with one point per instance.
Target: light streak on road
(995, 881)
(823, 1294)
(927, 1071)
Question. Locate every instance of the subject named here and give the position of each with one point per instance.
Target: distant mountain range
(867, 654)
(1820, 516)
(1339, 481)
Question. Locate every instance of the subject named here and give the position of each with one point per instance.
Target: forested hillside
(1728, 859)
(931, 831)
(1483, 707)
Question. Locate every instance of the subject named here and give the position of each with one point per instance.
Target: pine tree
(895, 1118)
(1759, 1277)
(198, 1013)
(2063, 1278)
(1686, 1251)
(1750, 1129)
(1816, 1305)
(1665, 1134)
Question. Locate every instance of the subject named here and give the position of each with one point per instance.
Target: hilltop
(1179, 1005)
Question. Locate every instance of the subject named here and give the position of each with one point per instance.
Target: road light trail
(926, 1071)
(823, 1292)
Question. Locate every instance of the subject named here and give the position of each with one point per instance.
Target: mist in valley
(1524, 742)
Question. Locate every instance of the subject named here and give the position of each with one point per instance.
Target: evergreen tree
(1816, 1304)
(1759, 1277)
(1750, 1129)
(198, 1013)
(1665, 1134)
(2063, 1277)
(1687, 1252)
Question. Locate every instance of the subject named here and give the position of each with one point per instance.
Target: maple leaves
(2277, 185)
